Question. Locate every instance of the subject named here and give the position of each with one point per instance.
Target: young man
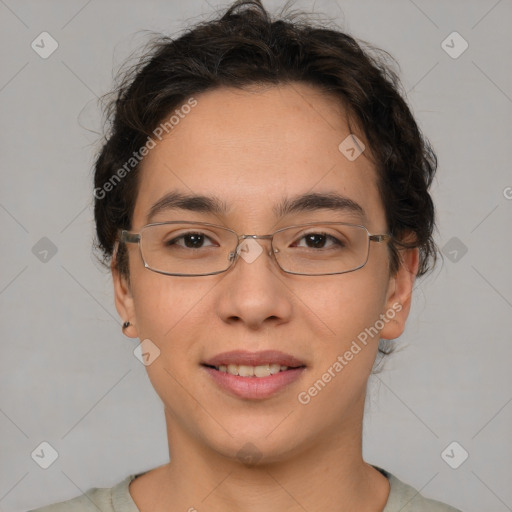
(263, 201)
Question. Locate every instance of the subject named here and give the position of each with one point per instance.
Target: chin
(260, 444)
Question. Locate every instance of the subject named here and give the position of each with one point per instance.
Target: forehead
(255, 149)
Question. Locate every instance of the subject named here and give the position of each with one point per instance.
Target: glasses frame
(130, 237)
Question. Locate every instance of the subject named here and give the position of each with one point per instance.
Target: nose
(253, 292)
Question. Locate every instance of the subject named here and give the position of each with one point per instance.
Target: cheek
(348, 304)
(156, 300)
(349, 309)
(167, 314)
(172, 312)
(160, 302)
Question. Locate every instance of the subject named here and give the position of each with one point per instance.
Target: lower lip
(254, 388)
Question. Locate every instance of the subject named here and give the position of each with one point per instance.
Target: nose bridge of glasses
(242, 238)
(268, 237)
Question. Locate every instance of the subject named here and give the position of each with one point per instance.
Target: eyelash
(327, 237)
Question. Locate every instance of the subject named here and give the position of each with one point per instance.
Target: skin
(252, 148)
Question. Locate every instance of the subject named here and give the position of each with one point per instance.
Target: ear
(124, 301)
(399, 294)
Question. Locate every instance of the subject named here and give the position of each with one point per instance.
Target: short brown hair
(246, 46)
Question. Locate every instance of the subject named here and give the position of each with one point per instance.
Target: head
(253, 112)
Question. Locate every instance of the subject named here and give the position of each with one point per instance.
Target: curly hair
(246, 46)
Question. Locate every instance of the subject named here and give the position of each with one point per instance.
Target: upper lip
(242, 357)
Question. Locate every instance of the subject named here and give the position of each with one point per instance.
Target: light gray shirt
(402, 498)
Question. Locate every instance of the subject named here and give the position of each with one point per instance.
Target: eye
(190, 240)
(319, 240)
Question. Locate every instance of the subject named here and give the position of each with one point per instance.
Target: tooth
(274, 368)
(245, 371)
(233, 369)
(262, 370)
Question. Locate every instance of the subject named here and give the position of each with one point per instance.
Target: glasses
(183, 248)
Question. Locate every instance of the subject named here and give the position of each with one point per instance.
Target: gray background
(69, 376)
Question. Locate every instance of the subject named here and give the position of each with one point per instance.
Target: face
(252, 150)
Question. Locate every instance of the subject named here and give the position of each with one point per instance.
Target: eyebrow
(308, 202)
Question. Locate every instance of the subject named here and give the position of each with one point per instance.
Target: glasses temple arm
(129, 238)
(380, 238)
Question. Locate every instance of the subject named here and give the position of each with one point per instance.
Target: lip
(254, 388)
(255, 358)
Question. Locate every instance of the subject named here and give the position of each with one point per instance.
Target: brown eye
(190, 240)
(319, 240)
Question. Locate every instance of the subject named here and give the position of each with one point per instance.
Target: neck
(328, 475)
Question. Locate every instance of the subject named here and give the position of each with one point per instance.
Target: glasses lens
(187, 248)
(318, 249)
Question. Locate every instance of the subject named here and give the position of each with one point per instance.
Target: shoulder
(404, 498)
(113, 499)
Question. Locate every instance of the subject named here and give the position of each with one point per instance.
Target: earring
(126, 325)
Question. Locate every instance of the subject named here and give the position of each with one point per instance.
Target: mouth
(253, 375)
(242, 370)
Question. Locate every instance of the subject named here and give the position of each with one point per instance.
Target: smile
(243, 370)
(253, 375)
